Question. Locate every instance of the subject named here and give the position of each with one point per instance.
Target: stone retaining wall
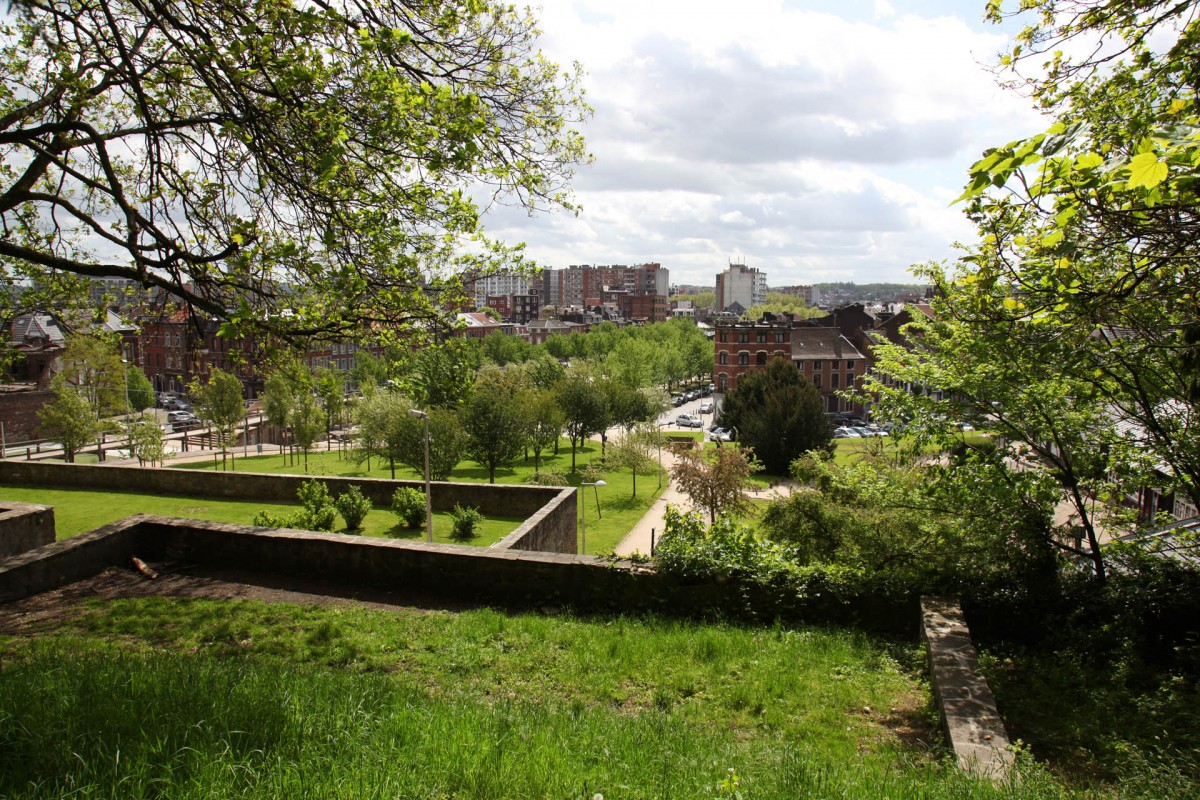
(550, 511)
(24, 526)
(965, 702)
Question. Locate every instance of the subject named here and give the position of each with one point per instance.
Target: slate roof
(824, 343)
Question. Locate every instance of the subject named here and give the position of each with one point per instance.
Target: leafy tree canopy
(305, 168)
(778, 414)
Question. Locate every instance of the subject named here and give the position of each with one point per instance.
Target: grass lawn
(187, 698)
(79, 510)
(618, 509)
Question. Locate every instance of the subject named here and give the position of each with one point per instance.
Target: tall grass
(180, 699)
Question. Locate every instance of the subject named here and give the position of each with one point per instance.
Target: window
(721, 337)
(818, 364)
(761, 337)
(816, 381)
(743, 359)
(723, 381)
(761, 358)
(723, 358)
(850, 363)
(833, 381)
(778, 337)
(743, 337)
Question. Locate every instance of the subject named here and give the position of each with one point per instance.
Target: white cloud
(819, 145)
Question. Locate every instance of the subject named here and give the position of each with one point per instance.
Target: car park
(689, 421)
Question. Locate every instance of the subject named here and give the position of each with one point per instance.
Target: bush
(353, 507)
(319, 513)
(547, 478)
(408, 505)
(465, 522)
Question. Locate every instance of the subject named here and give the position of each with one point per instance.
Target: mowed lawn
(188, 698)
(612, 509)
(79, 510)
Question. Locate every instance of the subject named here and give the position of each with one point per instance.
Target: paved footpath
(639, 537)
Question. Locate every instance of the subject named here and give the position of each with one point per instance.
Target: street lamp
(421, 415)
(583, 511)
(128, 409)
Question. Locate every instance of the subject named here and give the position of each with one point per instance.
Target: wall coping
(967, 707)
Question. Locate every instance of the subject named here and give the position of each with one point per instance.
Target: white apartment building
(742, 285)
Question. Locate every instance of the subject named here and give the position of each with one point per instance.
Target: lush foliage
(353, 507)
(285, 166)
(319, 512)
(408, 505)
(496, 421)
(715, 479)
(69, 420)
(219, 403)
(466, 520)
(778, 414)
(146, 441)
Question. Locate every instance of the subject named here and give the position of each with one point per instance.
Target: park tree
(715, 479)
(583, 409)
(218, 402)
(447, 442)
(69, 419)
(443, 375)
(496, 420)
(546, 423)
(141, 391)
(279, 399)
(308, 423)
(634, 450)
(287, 167)
(146, 442)
(778, 414)
(330, 388)
(503, 349)
(91, 364)
(383, 427)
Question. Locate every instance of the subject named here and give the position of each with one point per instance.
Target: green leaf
(1089, 161)
(1146, 170)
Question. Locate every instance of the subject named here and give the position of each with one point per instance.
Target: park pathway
(650, 526)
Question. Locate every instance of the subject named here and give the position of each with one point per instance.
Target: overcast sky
(818, 140)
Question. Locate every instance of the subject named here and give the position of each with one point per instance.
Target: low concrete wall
(24, 526)
(452, 573)
(550, 510)
(59, 563)
(965, 702)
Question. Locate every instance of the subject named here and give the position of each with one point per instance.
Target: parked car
(677, 400)
(689, 421)
(175, 404)
(846, 433)
(720, 435)
(706, 406)
(182, 420)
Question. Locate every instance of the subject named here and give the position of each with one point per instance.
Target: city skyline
(815, 141)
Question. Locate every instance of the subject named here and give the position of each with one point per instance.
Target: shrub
(319, 513)
(547, 478)
(353, 507)
(408, 505)
(465, 522)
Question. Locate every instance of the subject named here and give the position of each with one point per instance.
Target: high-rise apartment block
(588, 286)
(741, 285)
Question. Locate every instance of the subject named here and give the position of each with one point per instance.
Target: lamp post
(127, 407)
(583, 512)
(421, 415)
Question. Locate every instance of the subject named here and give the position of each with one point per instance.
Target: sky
(816, 140)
